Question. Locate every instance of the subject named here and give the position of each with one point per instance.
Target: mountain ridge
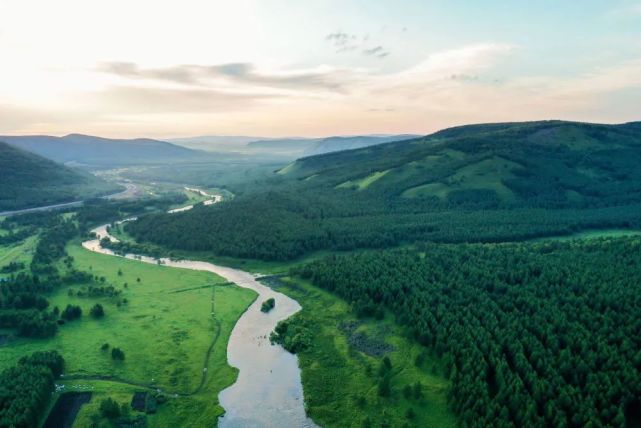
(91, 150)
(29, 180)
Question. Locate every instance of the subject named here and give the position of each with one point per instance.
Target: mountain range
(88, 150)
(29, 180)
(292, 147)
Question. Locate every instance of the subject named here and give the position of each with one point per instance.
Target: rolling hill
(336, 144)
(548, 164)
(479, 183)
(28, 180)
(96, 151)
(289, 147)
(298, 147)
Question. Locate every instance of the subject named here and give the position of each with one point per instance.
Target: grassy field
(19, 252)
(341, 382)
(486, 174)
(363, 183)
(593, 234)
(164, 329)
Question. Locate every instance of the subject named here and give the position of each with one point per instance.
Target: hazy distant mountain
(335, 144)
(97, 151)
(314, 146)
(215, 143)
(28, 180)
(292, 147)
(289, 146)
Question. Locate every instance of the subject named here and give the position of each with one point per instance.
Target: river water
(268, 391)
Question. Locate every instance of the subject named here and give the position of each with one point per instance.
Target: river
(268, 391)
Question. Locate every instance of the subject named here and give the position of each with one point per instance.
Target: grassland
(165, 329)
(19, 252)
(341, 382)
(593, 234)
(364, 183)
(486, 174)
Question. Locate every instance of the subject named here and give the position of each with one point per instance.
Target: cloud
(137, 99)
(346, 42)
(237, 73)
(376, 51)
(339, 38)
(629, 11)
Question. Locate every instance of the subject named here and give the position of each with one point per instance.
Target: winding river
(268, 391)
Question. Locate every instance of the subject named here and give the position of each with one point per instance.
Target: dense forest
(284, 225)
(26, 388)
(541, 334)
(29, 180)
(485, 183)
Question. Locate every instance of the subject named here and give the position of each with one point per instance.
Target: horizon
(312, 137)
(315, 69)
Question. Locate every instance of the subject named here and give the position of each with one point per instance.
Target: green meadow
(340, 379)
(165, 329)
(18, 252)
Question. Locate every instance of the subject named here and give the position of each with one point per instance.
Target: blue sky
(276, 67)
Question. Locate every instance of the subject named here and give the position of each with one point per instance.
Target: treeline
(26, 388)
(24, 308)
(283, 225)
(23, 303)
(532, 335)
(51, 245)
(100, 211)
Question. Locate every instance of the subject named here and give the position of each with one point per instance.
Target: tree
(71, 313)
(109, 408)
(117, 354)
(268, 305)
(384, 388)
(97, 311)
(410, 414)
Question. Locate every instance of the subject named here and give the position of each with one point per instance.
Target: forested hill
(480, 183)
(89, 150)
(28, 180)
(545, 164)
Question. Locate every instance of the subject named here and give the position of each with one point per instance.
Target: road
(61, 206)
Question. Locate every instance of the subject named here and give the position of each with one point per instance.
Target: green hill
(547, 164)
(28, 180)
(479, 183)
(96, 151)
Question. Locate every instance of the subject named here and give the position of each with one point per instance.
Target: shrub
(71, 313)
(109, 408)
(117, 354)
(97, 311)
(268, 305)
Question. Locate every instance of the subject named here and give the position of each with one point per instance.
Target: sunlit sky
(163, 68)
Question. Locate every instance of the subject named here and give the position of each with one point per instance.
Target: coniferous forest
(542, 334)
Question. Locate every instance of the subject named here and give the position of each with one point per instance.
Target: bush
(384, 388)
(268, 305)
(117, 354)
(97, 311)
(71, 313)
(109, 408)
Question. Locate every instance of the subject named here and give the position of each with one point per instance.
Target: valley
(405, 287)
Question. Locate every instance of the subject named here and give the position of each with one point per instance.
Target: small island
(268, 305)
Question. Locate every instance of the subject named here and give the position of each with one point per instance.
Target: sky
(162, 69)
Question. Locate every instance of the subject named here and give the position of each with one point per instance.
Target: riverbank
(164, 329)
(341, 363)
(268, 391)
